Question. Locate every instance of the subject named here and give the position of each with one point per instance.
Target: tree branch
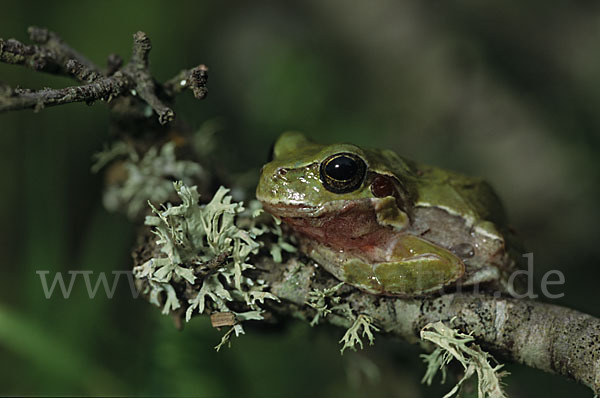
(137, 69)
(548, 337)
(37, 58)
(61, 52)
(103, 89)
(52, 55)
(194, 79)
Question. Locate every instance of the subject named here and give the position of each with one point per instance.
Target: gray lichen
(207, 249)
(326, 302)
(352, 336)
(566, 341)
(144, 178)
(451, 344)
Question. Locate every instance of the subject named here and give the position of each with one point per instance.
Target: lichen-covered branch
(102, 89)
(144, 86)
(194, 79)
(544, 336)
(52, 55)
(37, 58)
(61, 51)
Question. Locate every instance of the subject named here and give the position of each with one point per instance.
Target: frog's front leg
(416, 266)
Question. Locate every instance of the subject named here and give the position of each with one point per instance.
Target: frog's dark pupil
(343, 172)
(341, 168)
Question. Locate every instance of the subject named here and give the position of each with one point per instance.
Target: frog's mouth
(286, 210)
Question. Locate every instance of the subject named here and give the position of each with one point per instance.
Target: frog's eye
(343, 172)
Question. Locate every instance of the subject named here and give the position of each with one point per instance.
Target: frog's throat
(351, 226)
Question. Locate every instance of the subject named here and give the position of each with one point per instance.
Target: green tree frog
(385, 224)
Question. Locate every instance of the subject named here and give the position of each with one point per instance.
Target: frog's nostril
(282, 171)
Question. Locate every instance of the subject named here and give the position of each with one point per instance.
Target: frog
(385, 224)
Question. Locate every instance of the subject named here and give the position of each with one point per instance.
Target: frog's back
(471, 198)
(474, 201)
(466, 196)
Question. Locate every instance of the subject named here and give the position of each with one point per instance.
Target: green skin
(424, 228)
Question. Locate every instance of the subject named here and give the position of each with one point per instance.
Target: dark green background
(508, 90)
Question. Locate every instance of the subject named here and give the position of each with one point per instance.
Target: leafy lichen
(143, 178)
(352, 338)
(326, 302)
(452, 344)
(281, 244)
(206, 253)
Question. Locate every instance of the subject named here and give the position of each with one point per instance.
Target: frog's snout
(277, 176)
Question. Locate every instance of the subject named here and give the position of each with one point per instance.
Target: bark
(548, 337)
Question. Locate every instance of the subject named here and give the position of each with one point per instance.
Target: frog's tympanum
(385, 224)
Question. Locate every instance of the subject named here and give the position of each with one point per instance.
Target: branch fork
(50, 54)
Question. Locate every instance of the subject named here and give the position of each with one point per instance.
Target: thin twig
(53, 55)
(144, 83)
(103, 89)
(194, 79)
(81, 72)
(31, 56)
(61, 51)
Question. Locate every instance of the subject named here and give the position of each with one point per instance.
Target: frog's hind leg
(416, 266)
(344, 266)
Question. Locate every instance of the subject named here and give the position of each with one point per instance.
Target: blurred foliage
(504, 89)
